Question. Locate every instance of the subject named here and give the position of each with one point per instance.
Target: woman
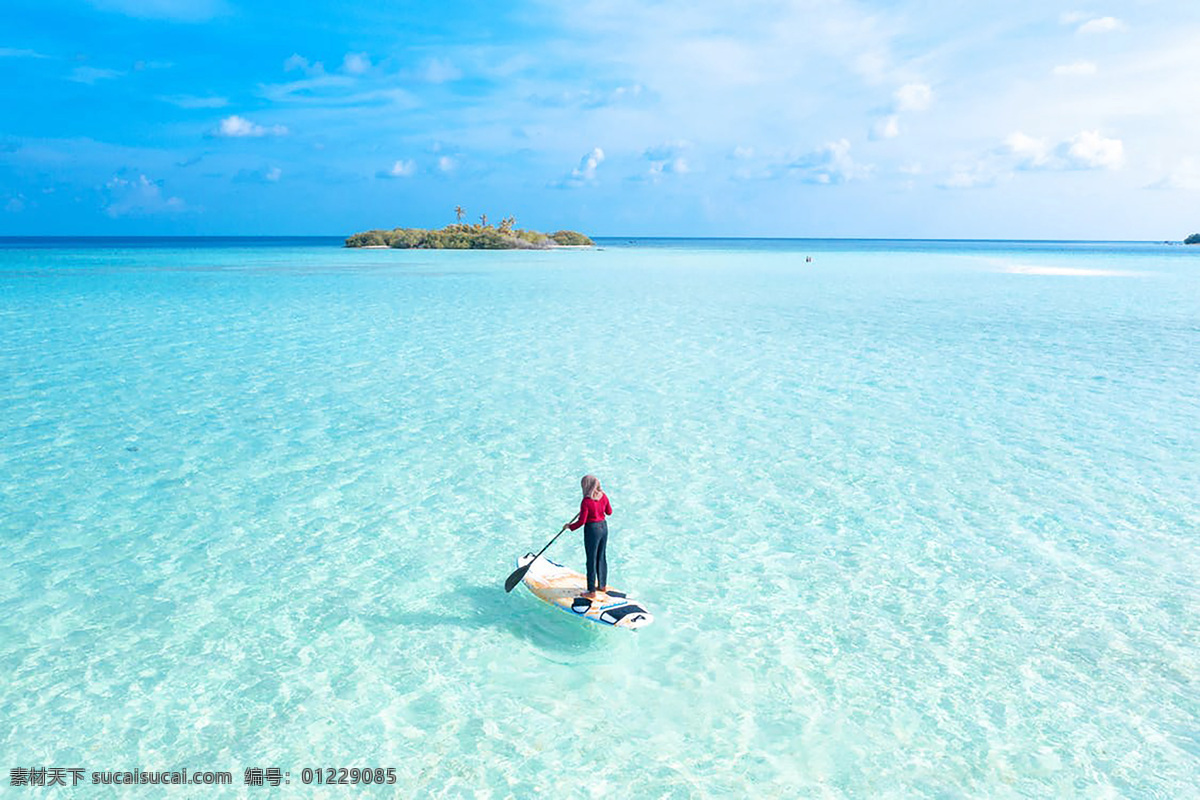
(592, 510)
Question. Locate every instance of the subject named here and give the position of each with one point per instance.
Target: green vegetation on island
(1193, 239)
(461, 236)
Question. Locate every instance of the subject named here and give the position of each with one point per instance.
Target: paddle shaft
(519, 573)
(552, 541)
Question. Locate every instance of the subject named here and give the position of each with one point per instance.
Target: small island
(461, 236)
(1193, 239)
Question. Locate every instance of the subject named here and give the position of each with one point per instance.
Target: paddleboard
(561, 587)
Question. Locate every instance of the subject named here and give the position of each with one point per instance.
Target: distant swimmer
(808, 260)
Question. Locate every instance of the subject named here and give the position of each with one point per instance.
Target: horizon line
(28, 237)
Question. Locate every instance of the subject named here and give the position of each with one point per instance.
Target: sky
(811, 118)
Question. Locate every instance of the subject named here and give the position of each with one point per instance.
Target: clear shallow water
(912, 524)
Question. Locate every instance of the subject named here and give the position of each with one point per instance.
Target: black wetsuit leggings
(595, 543)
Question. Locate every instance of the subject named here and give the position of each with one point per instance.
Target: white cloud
(830, 164)
(240, 127)
(594, 98)
(192, 101)
(1076, 68)
(178, 10)
(886, 128)
(438, 70)
(913, 97)
(909, 97)
(298, 62)
(15, 205)
(826, 165)
(743, 152)
(446, 164)
(11, 52)
(273, 174)
(675, 166)
(1090, 150)
(356, 63)
(586, 171)
(330, 90)
(138, 196)
(1102, 25)
(588, 165)
(1084, 150)
(400, 169)
(90, 75)
(1030, 152)
(1071, 17)
(912, 168)
(667, 159)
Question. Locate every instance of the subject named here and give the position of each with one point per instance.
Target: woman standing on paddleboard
(592, 511)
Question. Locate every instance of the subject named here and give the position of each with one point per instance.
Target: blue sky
(910, 118)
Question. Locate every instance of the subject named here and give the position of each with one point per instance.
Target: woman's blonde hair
(591, 486)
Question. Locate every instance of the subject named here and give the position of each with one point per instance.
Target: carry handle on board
(519, 573)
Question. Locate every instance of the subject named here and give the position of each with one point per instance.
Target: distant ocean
(915, 519)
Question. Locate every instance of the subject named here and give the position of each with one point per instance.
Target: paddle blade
(515, 578)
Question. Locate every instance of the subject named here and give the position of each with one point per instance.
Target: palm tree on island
(483, 220)
(459, 212)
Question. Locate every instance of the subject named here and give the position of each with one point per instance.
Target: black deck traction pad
(580, 605)
(615, 615)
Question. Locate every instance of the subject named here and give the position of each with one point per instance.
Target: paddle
(515, 578)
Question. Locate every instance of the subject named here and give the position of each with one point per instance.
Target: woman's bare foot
(589, 595)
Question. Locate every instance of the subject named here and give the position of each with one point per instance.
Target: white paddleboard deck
(561, 587)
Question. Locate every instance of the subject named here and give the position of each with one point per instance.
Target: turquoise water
(915, 519)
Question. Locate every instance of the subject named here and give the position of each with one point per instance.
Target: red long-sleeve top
(592, 511)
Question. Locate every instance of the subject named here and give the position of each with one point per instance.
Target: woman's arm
(607, 505)
(581, 516)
